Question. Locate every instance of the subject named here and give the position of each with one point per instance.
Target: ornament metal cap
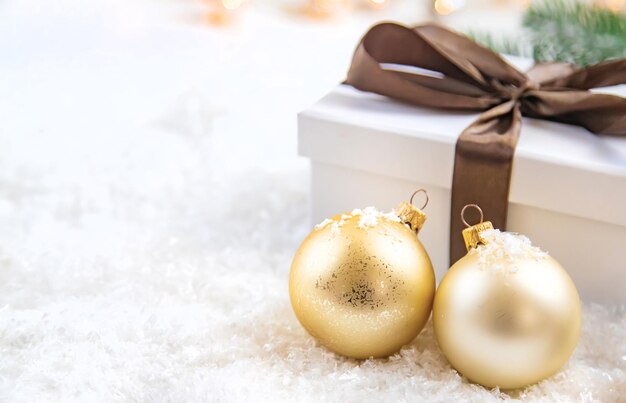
(471, 234)
(410, 215)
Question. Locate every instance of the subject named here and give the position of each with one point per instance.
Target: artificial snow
(121, 292)
(324, 224)
(501, 250)
(369, 217)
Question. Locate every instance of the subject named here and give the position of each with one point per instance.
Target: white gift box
(568, 187)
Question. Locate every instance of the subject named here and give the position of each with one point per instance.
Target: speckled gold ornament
(362, 284)
(506, 314)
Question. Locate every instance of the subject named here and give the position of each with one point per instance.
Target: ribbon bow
(456, 73)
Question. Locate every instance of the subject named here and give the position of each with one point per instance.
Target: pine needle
(566, 31)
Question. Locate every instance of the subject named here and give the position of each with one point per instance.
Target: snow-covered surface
(150, 205)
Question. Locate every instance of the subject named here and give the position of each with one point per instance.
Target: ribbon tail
(482, 170)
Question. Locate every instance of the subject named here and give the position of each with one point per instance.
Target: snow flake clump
(324, 223)
(368, 217)
(502, 250)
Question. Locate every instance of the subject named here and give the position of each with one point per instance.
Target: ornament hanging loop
(472, 234)
(477, 207)
(425, 194)
(410, 215)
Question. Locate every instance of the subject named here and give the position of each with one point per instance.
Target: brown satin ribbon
(470, 77)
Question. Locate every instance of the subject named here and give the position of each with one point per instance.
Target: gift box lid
(557, 167)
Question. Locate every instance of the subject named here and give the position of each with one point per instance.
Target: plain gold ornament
(506, 314)
(362, 283)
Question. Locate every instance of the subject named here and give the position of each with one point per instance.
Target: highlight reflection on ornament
(362, 283)
(506, 314)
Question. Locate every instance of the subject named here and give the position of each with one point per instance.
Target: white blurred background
(238, 69)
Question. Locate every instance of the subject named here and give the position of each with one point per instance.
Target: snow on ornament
(506, 314)
(362, 283)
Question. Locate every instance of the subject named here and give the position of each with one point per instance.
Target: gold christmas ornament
(506, 314)
(362, 283)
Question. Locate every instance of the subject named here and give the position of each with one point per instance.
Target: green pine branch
(567, 31)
